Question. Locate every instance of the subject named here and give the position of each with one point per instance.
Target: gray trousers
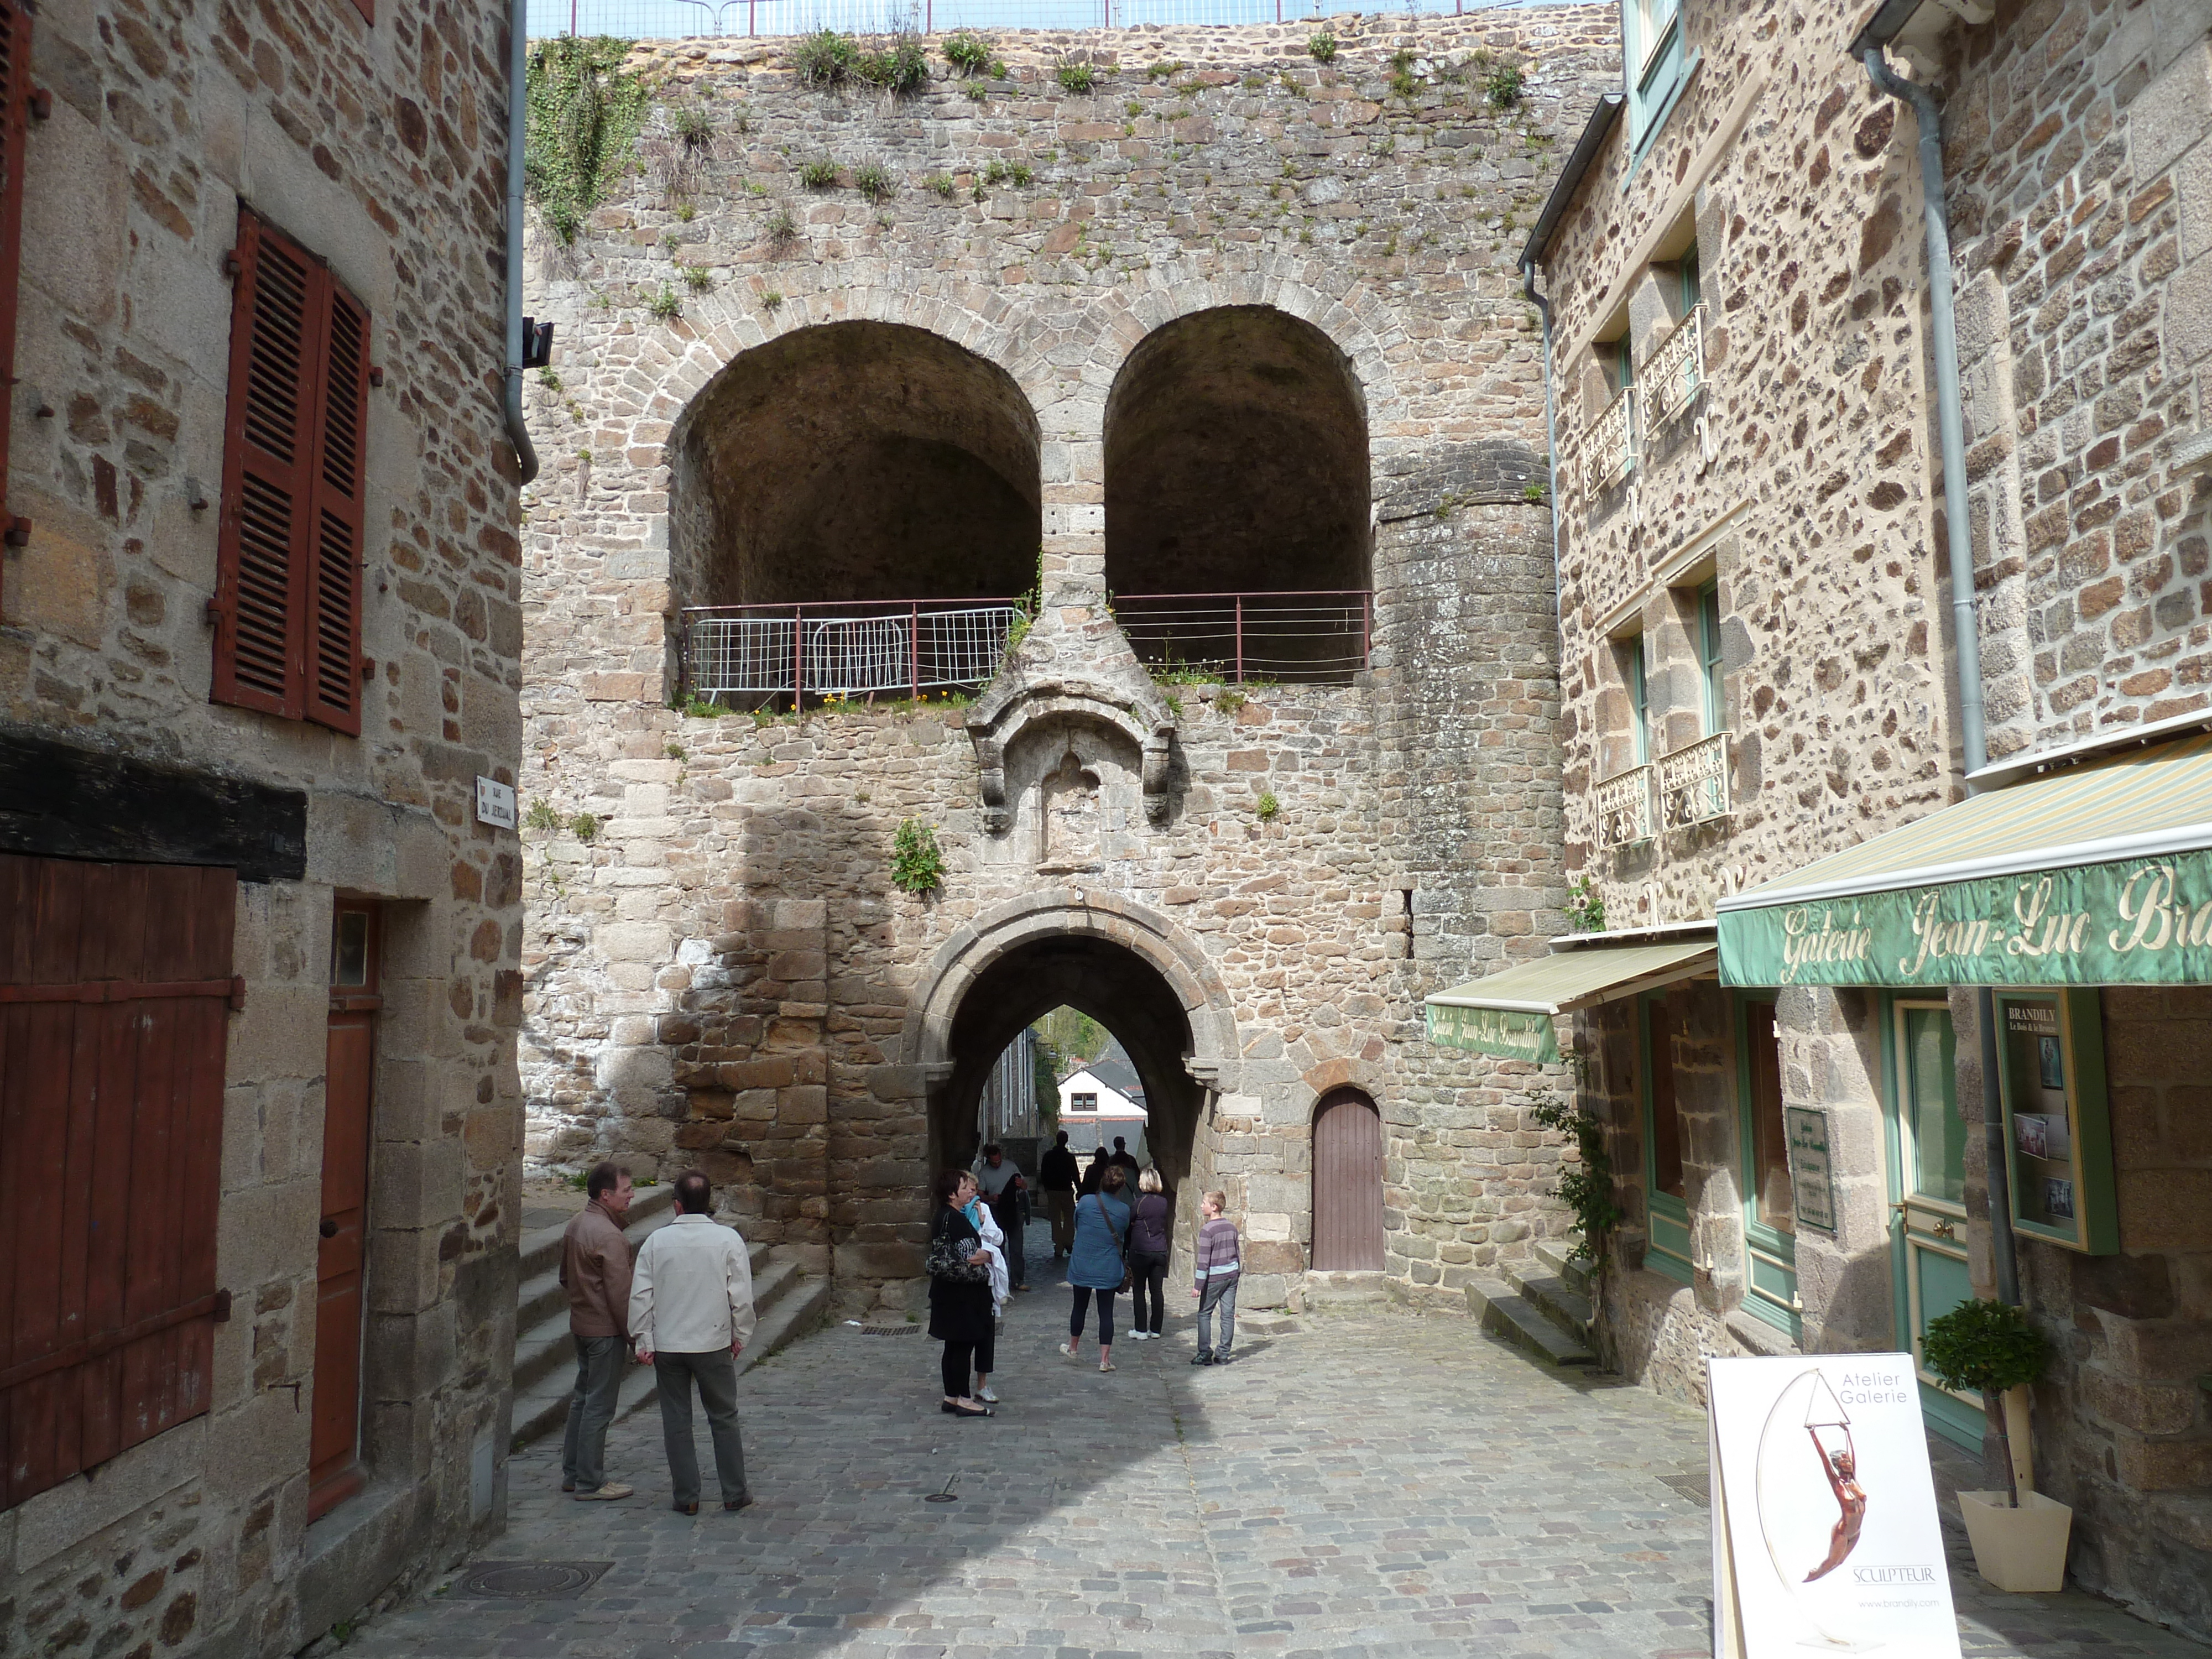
(591, 1408)
(1219, 1296)
(716, 1374)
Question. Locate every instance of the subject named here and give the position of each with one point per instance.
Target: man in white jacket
(691, 1314)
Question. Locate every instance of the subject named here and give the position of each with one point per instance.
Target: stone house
(259, 640)
(1804, 822)
(1208, 343)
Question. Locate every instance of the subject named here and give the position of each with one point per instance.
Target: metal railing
(1623, 808)
(680, 20)
(1677, 368)
(1694, 782)
(1313, 638)
(756, 654)
(1609, 442)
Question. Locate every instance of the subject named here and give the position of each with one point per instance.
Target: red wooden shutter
(288, 596)
(15, 103)
(114, 995)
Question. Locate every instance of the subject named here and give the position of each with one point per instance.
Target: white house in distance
(1093, 1110)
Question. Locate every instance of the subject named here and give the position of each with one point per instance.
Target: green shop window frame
(1711, 669)
(1770, 1253)
(2058, 1121)
(1666, 1216)
(1655, 68)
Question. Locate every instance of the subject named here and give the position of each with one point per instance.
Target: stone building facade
(1232, 320)
(1757, 668)
(159, 136)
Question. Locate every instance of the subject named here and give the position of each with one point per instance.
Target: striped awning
(2096, 873)
(1509, 1013)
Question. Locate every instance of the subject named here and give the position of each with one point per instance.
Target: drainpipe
(1551, 418)
(518, 73)
(1950, 430)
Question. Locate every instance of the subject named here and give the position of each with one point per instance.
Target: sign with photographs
(1825, 1532)
(2051, 1056)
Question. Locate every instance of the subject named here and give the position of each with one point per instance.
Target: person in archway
(1093, 1173)
(1097, 1268)
(1149, 1224)
(1002, 1185)
(960, 1315)
(1057, 1175)
(1125, 1161)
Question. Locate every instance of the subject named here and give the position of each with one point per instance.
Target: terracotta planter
(2022, 1549)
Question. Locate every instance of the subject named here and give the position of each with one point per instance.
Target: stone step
(798, 1309)
(1505, 1312)
(1341, 1292)
(543, 1347)
(1557, 1254)
(1553, 1297)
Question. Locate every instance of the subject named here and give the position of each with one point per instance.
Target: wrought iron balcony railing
(1623, 808)
(1677, 368)
(1694, 782)
(753, 654)
(1318, 638)
(1609, 442)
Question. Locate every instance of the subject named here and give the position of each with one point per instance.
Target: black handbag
(1128, 1279)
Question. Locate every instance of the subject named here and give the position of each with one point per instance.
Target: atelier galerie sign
(1825, 1532)
(2131, 923)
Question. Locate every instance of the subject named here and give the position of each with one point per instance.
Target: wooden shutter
(14, 105)
(115, 991)
(287, 595)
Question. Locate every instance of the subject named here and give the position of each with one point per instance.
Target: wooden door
(334, 1456)
(115, 998)
(1347, 1184)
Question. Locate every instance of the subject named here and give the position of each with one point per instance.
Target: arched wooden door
(1347, 1183)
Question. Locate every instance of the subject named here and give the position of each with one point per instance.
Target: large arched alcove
(1236, 459)
(856, 461)
(1095, 975)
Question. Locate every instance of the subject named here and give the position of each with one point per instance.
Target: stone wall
(379, 149)
(734, 914)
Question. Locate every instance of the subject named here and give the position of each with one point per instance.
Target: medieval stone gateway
(1162, 534)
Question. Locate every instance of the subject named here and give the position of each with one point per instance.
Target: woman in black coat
(960, 1312)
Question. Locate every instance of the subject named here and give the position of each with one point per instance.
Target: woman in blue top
(1102, 1231)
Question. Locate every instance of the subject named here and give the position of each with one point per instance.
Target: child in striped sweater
(1219, 1262)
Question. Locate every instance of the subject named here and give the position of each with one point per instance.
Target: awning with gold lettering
(1509, 1013)
(2097, 872)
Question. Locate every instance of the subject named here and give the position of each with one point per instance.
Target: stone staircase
(1326, 1291)
(1542, 1305)
(789, 1301)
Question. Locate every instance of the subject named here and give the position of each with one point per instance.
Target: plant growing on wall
(966, 52)
(1585, 1187)
(665, 305)
(1322, 48)
(901, 69)
(818, 175)
(825, 58)
(585, 826)
(1584, 907)
(1501, 86)
(1988, 1346)
(584, 113)
(1268, 806)
(1078, 77)
(917, 864)
(873, 180)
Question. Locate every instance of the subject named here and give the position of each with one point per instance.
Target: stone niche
(1076, 794)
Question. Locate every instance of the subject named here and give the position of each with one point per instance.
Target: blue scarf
(975, 1214)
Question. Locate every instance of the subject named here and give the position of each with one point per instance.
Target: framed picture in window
(2050, 1056)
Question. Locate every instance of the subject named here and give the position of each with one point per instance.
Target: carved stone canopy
(1019, 702)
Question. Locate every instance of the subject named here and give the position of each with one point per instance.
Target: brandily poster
(1825, 1532)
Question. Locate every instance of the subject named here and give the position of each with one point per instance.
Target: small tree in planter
(1988, 1346)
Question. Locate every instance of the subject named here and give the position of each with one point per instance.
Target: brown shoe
(605, 1494)
(685, 1508)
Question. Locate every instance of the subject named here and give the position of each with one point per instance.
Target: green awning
(2098, 874)
(1509, 1013)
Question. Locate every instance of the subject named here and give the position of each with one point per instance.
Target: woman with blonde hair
(1148, 1226)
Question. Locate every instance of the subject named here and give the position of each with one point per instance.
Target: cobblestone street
(1382, 1486)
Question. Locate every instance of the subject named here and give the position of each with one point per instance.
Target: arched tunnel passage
(1112, 984)
(1236, 463)
(856, 461)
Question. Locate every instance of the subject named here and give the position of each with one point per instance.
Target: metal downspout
(518, 76)
(1550, 419)
(1950, 430)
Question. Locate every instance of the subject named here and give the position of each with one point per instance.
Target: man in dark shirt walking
(1057, 1174)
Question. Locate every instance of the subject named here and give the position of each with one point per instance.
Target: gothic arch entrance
(1347, 1183)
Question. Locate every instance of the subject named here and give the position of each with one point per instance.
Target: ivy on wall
(585, 111)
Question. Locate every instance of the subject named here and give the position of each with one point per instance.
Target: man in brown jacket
(595, 1268)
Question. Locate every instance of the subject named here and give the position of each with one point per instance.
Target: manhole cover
(529, 1581)
(941, 1498)
(889, 1330)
